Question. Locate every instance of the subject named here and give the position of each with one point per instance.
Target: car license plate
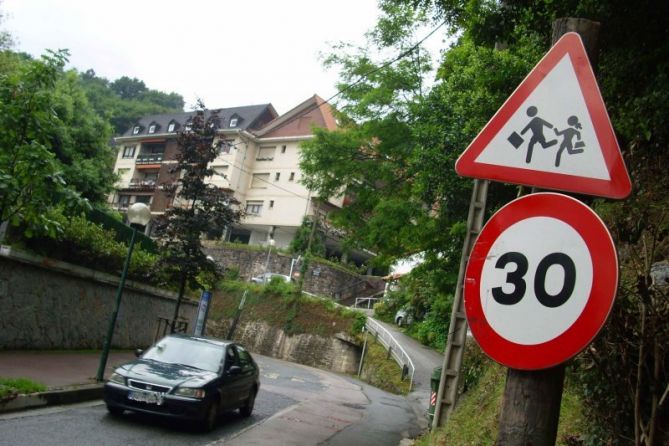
(146, 397)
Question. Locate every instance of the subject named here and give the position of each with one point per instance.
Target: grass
(278, 305)
(10, 387)
(475, 420)
(381, 371)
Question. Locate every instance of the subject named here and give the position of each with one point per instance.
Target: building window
(266, 153)
(136, 129)
(151, 177)
(171, 127)
(225, 146)
(260, 180)
(129, 151)
(254, 207)
(233, 122)
(146, 199)
(277, 176)
(292, 176)
(152, 128)
(271, 204)
(283, 149)
(123, 201)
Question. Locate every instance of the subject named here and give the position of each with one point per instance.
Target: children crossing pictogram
(553, 132)
(536, 128)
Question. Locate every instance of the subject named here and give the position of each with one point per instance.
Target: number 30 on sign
(540, 281)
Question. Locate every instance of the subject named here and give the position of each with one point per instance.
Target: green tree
(300, 243)
(199, 206)
(125, 100)
(625, 374)
(128, 88)
(31, 177)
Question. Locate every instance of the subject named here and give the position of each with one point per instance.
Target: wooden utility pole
(531, 402)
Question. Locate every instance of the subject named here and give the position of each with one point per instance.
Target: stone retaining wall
(340, 353)
(320, 278)
(49, 304)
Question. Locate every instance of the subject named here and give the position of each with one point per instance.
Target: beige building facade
(259, 163)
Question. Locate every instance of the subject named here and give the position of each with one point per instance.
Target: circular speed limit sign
(540, 281)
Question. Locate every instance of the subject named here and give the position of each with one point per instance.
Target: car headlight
(190, 392)
(117, 378)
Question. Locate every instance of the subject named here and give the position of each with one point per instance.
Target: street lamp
(269, 251)
(138, 214)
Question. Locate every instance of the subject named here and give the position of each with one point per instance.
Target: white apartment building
(259, 163)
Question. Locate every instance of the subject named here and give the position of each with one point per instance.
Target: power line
(369, 73)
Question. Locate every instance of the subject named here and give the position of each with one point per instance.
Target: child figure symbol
(536, 126)
(568, 135)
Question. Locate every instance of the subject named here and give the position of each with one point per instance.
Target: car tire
(208, 423)
(247, 409)
(114, 410)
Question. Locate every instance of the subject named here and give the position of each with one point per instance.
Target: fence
(395, 350)
(365, 302)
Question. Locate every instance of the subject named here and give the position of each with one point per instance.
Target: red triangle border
(619, 186)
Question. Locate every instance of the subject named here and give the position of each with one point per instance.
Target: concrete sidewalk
(68, 376)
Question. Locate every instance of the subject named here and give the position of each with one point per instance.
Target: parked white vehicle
(267, 277)
(403, 317)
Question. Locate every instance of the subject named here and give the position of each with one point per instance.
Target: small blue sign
(202, 310)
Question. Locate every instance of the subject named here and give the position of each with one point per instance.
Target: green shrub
(84, 243)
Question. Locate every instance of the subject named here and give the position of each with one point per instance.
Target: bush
(84, 243)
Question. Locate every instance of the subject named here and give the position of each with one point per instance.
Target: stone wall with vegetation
(48, 304)
(339, 353)
(321, 278)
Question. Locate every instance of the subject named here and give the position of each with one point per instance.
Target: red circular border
(604, 282)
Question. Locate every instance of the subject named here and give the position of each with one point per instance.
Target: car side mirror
(234, 370)
(138, 352)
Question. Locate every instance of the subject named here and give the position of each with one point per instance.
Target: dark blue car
(192, 378)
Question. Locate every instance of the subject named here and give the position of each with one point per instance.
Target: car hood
(166, 374)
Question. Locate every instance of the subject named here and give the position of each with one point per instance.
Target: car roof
(203, 339)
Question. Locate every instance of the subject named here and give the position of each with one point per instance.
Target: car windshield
(187, 352)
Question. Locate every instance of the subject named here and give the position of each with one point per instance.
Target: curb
(68, 395)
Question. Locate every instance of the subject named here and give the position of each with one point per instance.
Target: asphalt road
(296, 405)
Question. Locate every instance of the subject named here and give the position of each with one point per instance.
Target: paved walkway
(425, 360)
(58, 369)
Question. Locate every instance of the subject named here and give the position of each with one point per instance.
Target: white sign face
(538, 255)
(547, 128)
(540, 281)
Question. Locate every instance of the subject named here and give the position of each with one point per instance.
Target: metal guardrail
(386, 339)
(396, 351)
(365, 302)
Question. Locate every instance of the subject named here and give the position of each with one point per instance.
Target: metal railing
(149, 158)
(365, 302)
(394, 348)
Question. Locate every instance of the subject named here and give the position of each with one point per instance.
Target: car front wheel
(208, 423)
(113, 410)
(247, 408)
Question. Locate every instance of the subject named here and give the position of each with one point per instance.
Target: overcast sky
(228, 53)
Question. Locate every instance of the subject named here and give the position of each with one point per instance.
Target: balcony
(150, 158)
(144, 185)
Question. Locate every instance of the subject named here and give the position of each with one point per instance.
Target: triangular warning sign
(553, 132)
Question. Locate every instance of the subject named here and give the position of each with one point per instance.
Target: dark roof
(248, 117)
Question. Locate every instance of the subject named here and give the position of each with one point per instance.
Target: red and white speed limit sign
(540, 281)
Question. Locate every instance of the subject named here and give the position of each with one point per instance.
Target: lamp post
(138, 214)
(269, 251)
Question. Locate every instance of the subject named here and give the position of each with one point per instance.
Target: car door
(233, 382)
(248, 371)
